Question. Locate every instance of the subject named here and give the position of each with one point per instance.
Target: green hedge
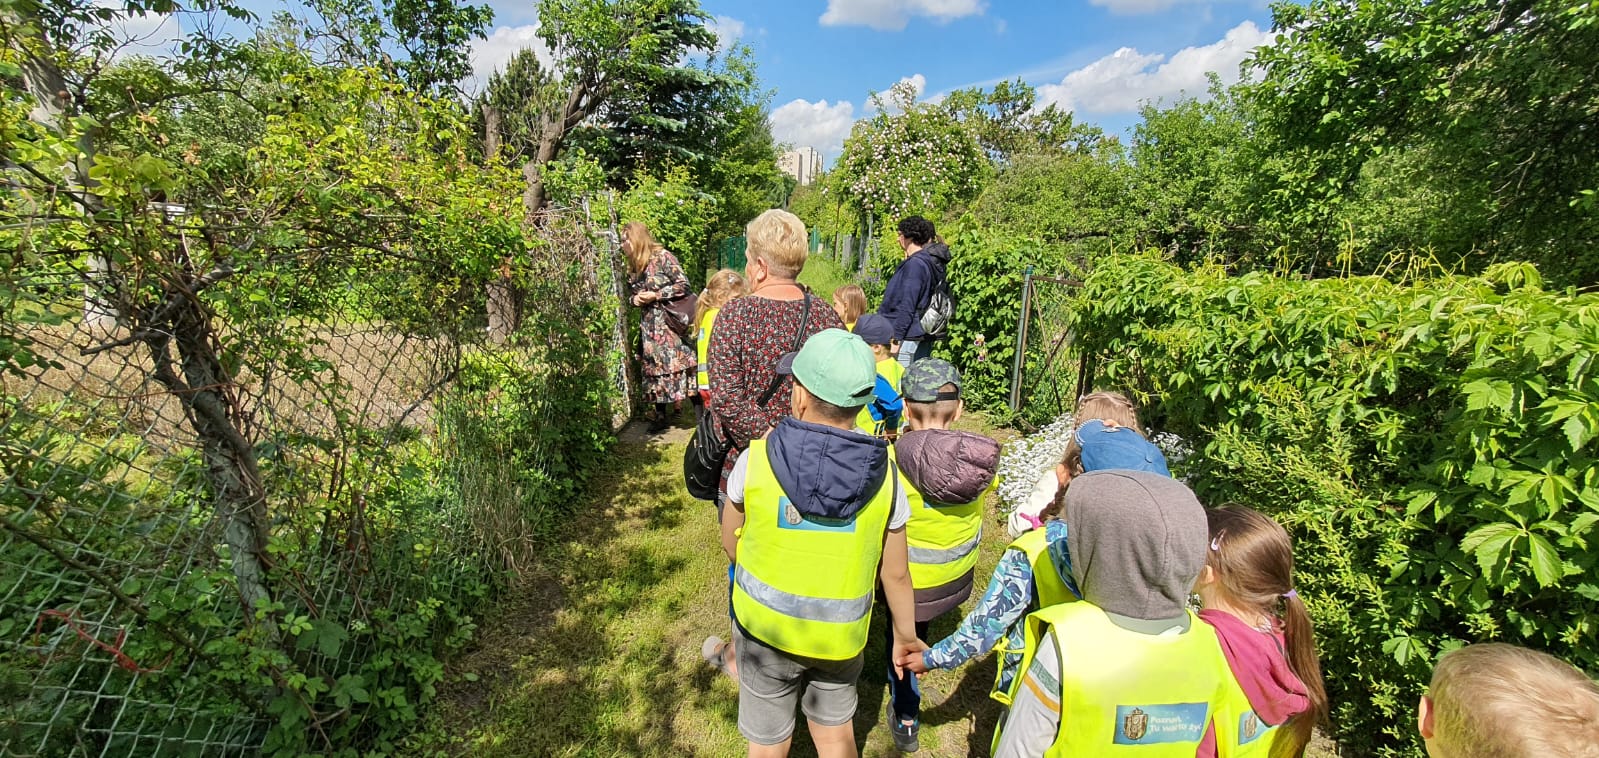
(1428, 444)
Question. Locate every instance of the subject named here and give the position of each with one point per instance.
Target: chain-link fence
(247, 509)
(1048, 375)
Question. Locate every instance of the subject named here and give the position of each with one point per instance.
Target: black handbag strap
(805, 321)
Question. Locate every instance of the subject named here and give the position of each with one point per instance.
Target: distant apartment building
(804, 164)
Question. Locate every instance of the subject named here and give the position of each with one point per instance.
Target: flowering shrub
(917, 159)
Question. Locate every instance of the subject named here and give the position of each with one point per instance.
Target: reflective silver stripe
(931, 556)
(800, 606)
(705, 367)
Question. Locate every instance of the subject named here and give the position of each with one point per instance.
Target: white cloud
(728, 30)
(1137, 7)
(491, 54)
(1121, 81)
(1000, 25)
(821, 125)
(892, 15)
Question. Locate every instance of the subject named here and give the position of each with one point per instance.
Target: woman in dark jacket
(654, 278)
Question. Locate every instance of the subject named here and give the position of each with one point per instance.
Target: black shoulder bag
(707, 450)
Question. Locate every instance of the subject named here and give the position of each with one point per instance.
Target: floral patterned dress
(669, 362)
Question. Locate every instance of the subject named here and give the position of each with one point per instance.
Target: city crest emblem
(1136, 724)
(792, 514)
(1251, 726)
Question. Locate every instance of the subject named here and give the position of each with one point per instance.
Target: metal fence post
(1021, 342)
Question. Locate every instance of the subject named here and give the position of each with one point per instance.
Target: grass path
(599, 655)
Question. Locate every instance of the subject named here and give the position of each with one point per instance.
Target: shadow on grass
(591, 657)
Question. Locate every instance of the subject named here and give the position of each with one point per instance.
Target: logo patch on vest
(1250, 728)
(1152, 724)
(789, 517)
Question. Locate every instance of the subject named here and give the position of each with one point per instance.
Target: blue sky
(822, 58)
(1100, 58)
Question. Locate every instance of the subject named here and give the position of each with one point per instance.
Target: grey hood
(827, 472)
(1137, 541)
(948, 466)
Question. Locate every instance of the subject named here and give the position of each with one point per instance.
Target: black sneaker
(904, 734)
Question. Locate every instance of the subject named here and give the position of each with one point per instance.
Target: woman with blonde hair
(654, 279)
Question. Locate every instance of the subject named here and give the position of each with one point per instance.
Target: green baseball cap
(835, 366)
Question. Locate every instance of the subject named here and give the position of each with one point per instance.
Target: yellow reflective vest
(805, 585)
(1048, 589)
(1126, 693)
(702, 346)
(943, 539)
(1240, 732)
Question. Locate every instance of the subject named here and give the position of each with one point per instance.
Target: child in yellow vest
(881, 417)
(1247, 593)
(1035, 571)
(950, 473)
(1507, 701)
(1129, 670)
(724, 287)
(815, 518)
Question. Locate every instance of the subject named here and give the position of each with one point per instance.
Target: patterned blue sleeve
(1009, 594)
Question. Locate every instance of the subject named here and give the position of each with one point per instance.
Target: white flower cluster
(1027, 458)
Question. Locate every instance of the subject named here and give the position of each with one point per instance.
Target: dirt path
(600, 656)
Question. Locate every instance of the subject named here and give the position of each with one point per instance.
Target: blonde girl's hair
(1109, 406)
(724, 286)
(1498, 699)
(1254, 564)
(850, 302)
(641, 246)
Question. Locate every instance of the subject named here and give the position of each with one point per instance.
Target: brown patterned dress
(669, 362)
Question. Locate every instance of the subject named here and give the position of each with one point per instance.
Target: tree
(609, 53)
(1497, 96)
(433, 35)
(1007, 122)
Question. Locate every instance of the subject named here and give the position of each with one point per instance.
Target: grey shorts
(770, 682)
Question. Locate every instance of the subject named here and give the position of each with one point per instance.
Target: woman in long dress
(655, 278)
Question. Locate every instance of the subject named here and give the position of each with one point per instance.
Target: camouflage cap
(925, 377)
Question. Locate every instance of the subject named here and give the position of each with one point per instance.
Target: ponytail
(1303, 661)
(1254, 563)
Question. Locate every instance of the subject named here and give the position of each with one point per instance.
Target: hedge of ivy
(1429, 444)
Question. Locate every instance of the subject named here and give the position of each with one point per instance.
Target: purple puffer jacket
(946, 467)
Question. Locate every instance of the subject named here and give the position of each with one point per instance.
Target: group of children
(1128, 618)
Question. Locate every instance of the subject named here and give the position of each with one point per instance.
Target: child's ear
(1207, 577)
(1423, 717)
(960, 407)
(1063, 474)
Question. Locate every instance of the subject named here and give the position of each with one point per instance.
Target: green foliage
(434, 35)
(1496, 98)
(678, 214)
(1428, 444)
(1062, 199)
